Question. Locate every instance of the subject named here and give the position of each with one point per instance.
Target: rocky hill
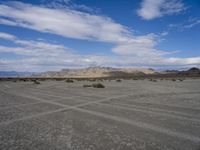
(191, 72)
(94, 72)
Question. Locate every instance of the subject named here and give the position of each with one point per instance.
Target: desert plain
(126, 115)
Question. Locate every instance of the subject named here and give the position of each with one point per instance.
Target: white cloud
(43, 56)
(151, 9)
(68, 23)
(76, 25)
(128, 50)
(7, 36)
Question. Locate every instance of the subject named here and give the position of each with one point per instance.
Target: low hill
(191, 72)
(94, 72)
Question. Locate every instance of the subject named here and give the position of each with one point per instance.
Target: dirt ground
(127, 115)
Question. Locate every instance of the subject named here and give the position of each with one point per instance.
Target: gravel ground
(127, 115)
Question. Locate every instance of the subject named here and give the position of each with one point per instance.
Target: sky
(44, 35)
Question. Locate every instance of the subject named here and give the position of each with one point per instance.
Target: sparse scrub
(69, 81)
(181, 80)
(36, 82)
(118, 80)
(153, 80)
(173, 79)
(87, 85)
(95, 85)
(98, 85)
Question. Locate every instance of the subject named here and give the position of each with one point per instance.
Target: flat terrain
(127, 115)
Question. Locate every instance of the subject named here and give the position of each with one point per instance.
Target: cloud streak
(6, 36)
(151, 9)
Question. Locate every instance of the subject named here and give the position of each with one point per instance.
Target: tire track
(152, 112)
(143, 125)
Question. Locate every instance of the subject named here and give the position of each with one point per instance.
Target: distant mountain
(97, 72)
(194, 69)
(15, 74)
(190, 72)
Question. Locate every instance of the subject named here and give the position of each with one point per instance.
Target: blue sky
(41, 35)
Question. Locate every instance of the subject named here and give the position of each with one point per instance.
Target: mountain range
(95, 72)
(15, 74)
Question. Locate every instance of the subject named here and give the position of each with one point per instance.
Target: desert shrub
(153, 80)
(135, 78)
(69, 81)
(87, 85)
(23, 80)
(173, 79)
(95, 85)
(118, 80)
(181, 80)
(98, 85)
(36, 82)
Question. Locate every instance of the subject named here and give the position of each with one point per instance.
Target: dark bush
(95, 85)
(86, 85)
(118, 80)
(36, 82)
(181, 80)
(69, 81)
(153, 80)
(98, 85)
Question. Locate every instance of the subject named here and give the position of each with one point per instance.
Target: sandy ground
(127, 115)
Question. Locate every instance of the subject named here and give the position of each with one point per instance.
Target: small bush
(98, 85)
(36, 82)
(181, 80)
(87, 85)
(153, 80)
(69, 81)
(173, 79)
(95, 85)
(118, 80)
